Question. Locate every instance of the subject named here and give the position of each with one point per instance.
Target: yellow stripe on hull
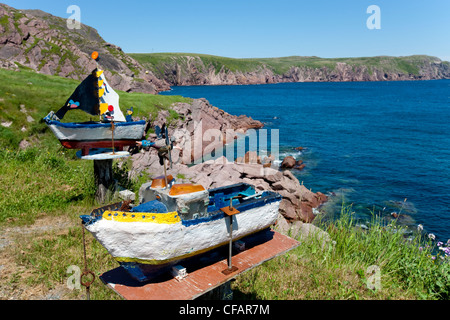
(129, 217)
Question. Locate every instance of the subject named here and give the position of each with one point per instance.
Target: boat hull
(144, 272)
(87, 136)
(145, 249)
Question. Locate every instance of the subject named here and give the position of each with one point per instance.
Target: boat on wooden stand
(174, 222)
(95, 97)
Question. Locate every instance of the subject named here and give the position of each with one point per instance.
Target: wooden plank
(205, 272)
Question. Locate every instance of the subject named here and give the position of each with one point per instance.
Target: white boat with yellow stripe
(179, 221)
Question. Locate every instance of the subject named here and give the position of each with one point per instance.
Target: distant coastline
(186, 69)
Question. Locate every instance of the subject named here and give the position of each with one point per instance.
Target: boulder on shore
(288, 163)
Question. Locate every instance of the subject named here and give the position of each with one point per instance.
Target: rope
(86, 271)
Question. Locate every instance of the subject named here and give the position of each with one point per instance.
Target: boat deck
(205, 273)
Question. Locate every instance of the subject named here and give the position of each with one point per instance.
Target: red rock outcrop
(42, 42)
(202, 128)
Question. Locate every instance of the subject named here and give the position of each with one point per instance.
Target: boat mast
(96, 58)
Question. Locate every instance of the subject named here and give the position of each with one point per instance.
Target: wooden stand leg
(103, 179)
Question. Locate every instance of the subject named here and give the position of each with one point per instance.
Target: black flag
(84, 98)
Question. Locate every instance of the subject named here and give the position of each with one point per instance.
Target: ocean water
(381, 147)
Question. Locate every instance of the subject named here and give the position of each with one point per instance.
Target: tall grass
(409, 262)
(408, 267)
(36, 182)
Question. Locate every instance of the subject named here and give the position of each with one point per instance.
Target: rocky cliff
(42, 42)
(194, 69)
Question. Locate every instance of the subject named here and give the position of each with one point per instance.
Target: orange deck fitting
(181, 189)
(204, 272)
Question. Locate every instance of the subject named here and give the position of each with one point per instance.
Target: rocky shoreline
(298, 202)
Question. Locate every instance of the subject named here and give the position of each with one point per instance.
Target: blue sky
(260, 28)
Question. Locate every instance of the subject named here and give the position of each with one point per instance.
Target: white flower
(419, 227)
(431, 236)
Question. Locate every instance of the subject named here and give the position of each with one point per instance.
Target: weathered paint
(97, 131)
(87, 136)
(158, 243)
(133, 217)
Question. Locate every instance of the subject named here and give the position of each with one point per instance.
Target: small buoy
(94, 55)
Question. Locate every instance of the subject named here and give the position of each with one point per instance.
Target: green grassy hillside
(156, 61)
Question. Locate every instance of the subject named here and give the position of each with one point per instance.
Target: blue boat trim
(151, 207)
(190, 223)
